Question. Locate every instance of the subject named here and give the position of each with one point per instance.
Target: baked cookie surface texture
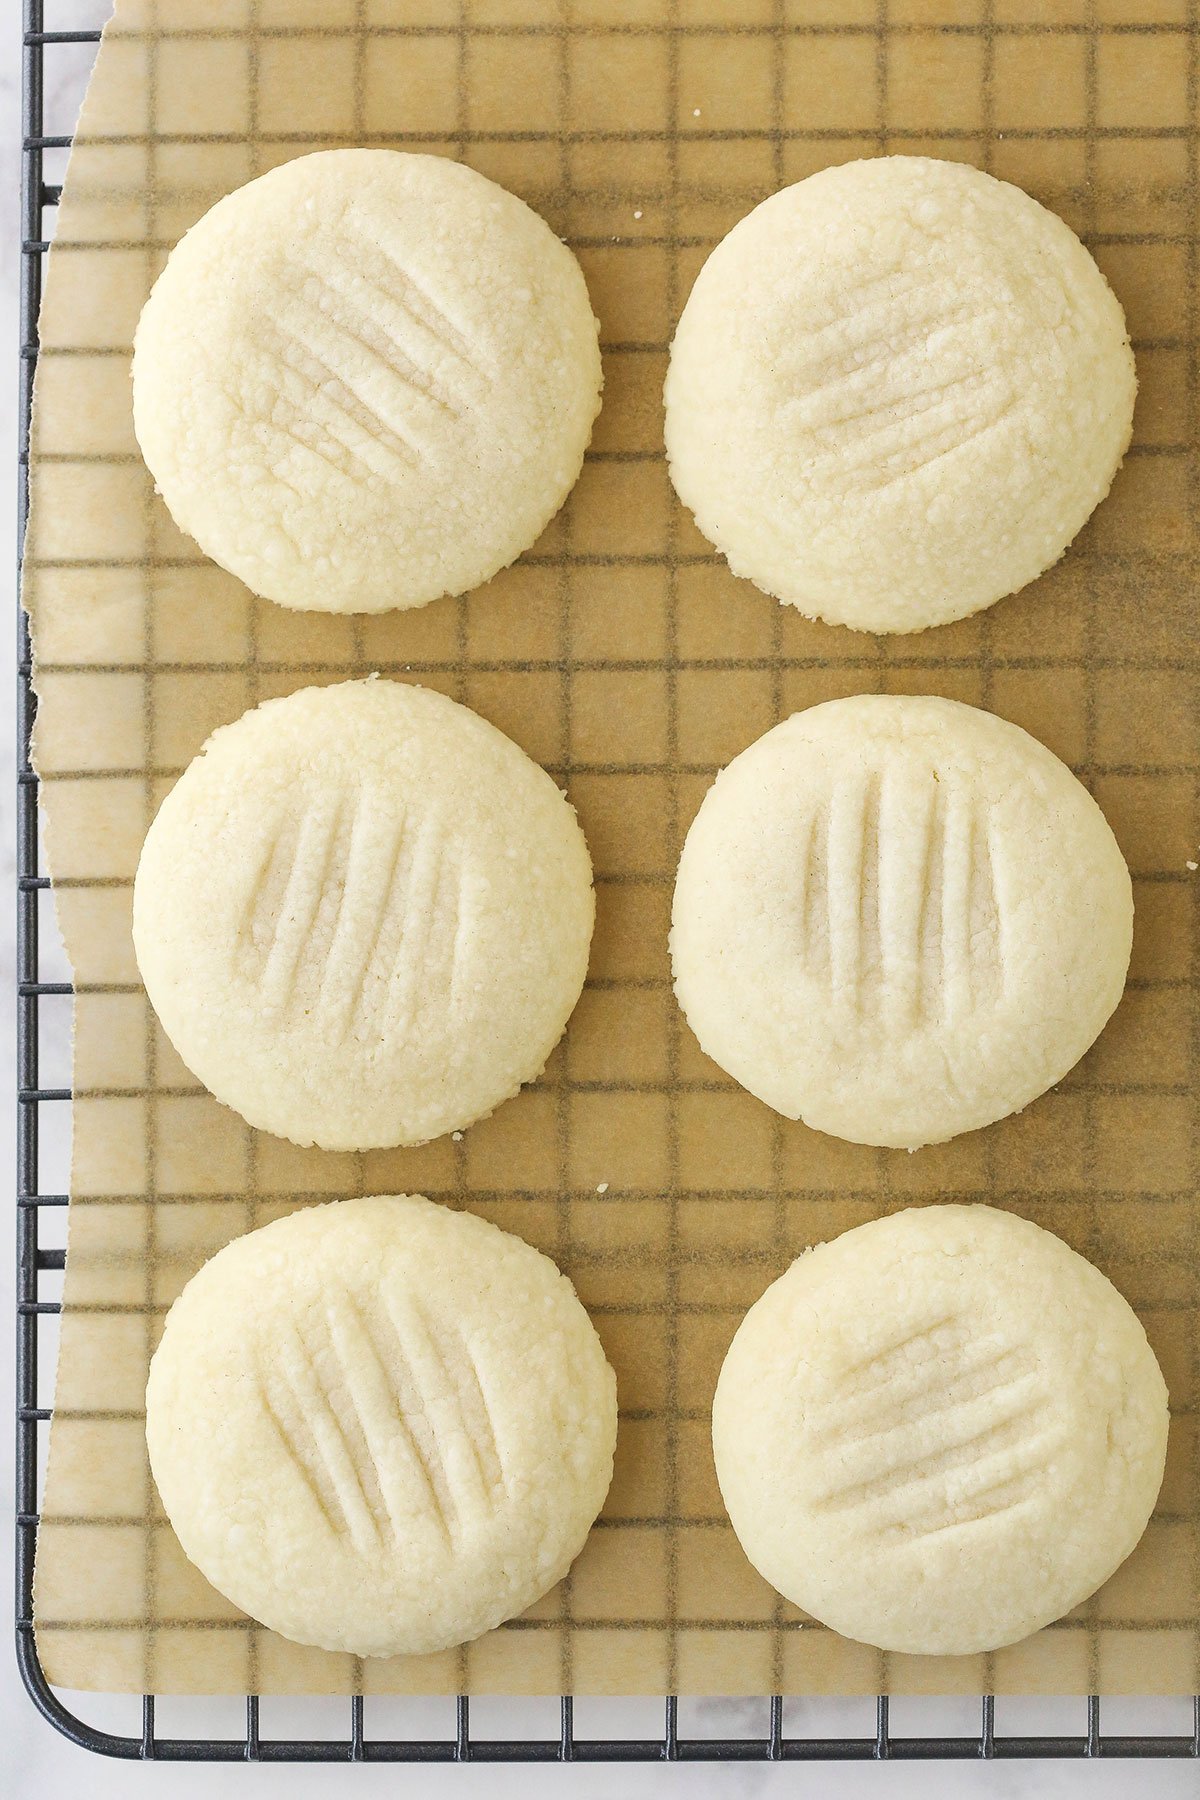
(380, 1426)
(897, 391)
(366, 379)
(941, 1431)
(363, 915)
(899, 918)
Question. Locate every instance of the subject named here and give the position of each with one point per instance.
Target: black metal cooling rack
(34, 1312)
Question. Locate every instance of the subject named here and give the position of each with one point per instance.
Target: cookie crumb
(456, 1137)
(602, 1188)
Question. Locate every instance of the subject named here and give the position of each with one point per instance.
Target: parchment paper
(622, 654)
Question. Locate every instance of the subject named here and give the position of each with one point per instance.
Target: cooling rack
(36, 1312)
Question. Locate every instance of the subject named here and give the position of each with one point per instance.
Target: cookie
(940, 1432)
(363, 916)
(380, 1426)
(366, 379)
(899, 918)
(897, 391)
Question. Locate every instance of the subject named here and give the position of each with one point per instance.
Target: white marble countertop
(47, 1766)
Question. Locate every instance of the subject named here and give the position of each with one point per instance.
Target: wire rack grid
(36, 1313)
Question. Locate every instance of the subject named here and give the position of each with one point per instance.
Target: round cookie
(899, 918)
(366, 379)
(940, 1431)
(380, 1426)
(897, 391)
(363, 915)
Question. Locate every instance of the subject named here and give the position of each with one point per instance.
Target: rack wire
(36, 1313)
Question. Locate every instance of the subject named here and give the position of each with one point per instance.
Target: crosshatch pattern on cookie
(622, 654)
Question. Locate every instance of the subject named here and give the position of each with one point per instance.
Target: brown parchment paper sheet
(622, 654)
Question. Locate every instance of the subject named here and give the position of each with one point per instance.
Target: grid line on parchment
(634, 1195)
(647, 1085)
(797, 28)
(987, 104)
(563, 770)
(575, 569)
(819, 134)
(649, 1622)
(882, 1658)
(253, 77)
(1100, 239)
(566, 600)
(1192, 315)
(111, 883)
(1089, 717)
(358, 630)
(595, 559)
(780, 1219)
(50, 351)
(150, 1023)
(712, 664)
(131, 1309)
(987, 108)
(598, 983)
(799, 134)
(674, 301)
(671, 1416)
(459, 141)
(128, 459)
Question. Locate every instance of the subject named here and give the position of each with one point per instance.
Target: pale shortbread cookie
(899, 918)
(381, 1426)
(363, 915)
(366, 379)
(897, 391)
(941, 1431)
